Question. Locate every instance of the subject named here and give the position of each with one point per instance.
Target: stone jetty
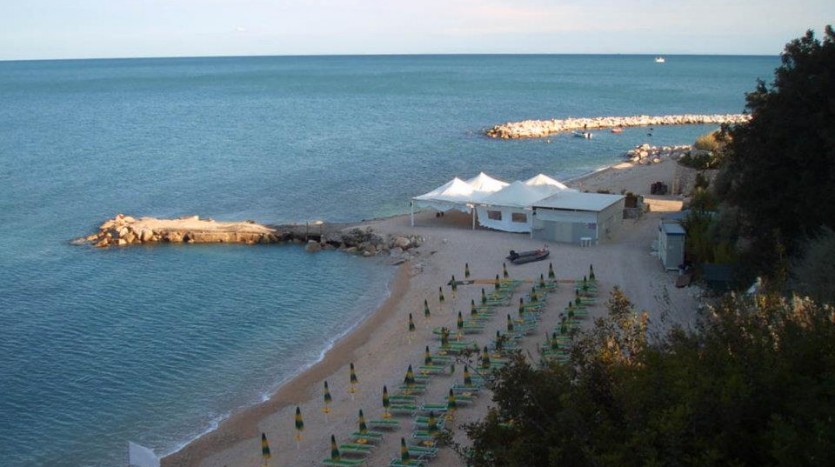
(123, 231)
(543, 128)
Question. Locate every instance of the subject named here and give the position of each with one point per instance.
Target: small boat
(528, 256)
(660, 60)
(617, 130)
(582, 134)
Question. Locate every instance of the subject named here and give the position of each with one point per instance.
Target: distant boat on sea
(617, 130)
(660, 60)
(582, 134)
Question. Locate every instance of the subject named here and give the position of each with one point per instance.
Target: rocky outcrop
(125, 230)
(646, 154)
(542, 128)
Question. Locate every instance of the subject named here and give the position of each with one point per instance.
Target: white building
(575, 217)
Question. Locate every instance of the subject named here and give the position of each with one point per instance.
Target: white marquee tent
(458, 194)
(510, 210)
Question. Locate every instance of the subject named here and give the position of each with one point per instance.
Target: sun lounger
(343, 462)
(422, 452)
(403, 409)
(437, 408)
(397, 462)
(356, 448)
(384, 424)
(367, 437)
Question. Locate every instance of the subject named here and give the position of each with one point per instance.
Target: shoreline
(239, 426)
(236, 441)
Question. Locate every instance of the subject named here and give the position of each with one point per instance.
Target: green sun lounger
(384, 424)
(356, 448)
(397, 462)
(343, 462)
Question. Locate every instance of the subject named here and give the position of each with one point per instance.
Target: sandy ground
(381, 349)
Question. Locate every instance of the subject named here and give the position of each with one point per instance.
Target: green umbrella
(328, 399)
(485, 359)
(473, 309)
(591, 272)
(577, 300)
(265, 448)
(299, 426)
(409, 380)
(441, 294)
(468, 380)
(534, 296)
(555, 344)
(432, 425)
(353, 380)
(386, 402)
(426, 313)
(411, 323)
(363, 428)
(571, 312)
(504, 271)
(334, 450)
(541, 280)
(483, 297)
(521, 307)
(551, 274)
(404, 452)
(466, 270)
(444, 338)
(450, 403)
(509, 323)
(499, 341)
(563, 326)
(427, 357)
(460, 323)
(498, 285)
(454, 286)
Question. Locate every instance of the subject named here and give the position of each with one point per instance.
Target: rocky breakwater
(125, 230)
(646, 154)
(542, 128)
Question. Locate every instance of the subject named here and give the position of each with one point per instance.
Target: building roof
(672, 228)
(578, 201)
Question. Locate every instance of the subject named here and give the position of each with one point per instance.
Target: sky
(57, 29)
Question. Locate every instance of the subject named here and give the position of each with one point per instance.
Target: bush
(709, 142)
(815, 270)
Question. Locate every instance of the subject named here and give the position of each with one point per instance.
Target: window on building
(494, 215)
(519, 217)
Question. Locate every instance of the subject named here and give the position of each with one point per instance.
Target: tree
(780, 169)
(754, 386)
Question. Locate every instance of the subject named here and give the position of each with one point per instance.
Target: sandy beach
(381, 348)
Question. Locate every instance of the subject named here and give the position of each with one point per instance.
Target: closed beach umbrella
(363, 428)
(441, 295)
(299, 426)
(555, 343)
(551, 274)
(265, 449)
(541, 280)
(585, 285)
(483, 296)
(468, 380)
(570, 312)
(427, 357)
(386, 402)
(563, 326)
(327, 399)
(411, 327)
(454, 286)
(534, 295)
(460, 322)
(353, 380)
(404, 452)
(485, 359)
(509, 323)
(334, 450)
(577, 300)
(591, 272)
(444, 338)
(473, 309)
(504, 271)
(466, 270)
(409, 380)
(432, 425)
(499, 341)
(521, 307)
(451, 404)
(426, 313)
(497, 282)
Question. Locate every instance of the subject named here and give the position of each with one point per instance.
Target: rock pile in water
(542, 128)
(125, 230)
(646, 154)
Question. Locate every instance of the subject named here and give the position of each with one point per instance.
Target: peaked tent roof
(454, 191)
(517, 195)
(485, 183)
(544, 180)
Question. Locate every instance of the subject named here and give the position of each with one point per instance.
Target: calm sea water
(157, 344)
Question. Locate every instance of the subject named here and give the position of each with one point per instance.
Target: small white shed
(671, 237)
(575, 217)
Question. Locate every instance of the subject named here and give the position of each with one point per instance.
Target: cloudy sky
(43, 29)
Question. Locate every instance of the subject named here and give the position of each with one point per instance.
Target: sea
(159, 344)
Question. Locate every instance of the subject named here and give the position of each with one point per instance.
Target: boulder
(401, 242)
(396, 252)
(313, 246)
(146, 235)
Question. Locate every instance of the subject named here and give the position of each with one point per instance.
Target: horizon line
(437, 54)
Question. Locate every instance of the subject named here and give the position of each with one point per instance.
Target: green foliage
(814, 272)
(708, 142)
(755, 385)
(779, 169)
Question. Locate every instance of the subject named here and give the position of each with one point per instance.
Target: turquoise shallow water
(156, 344)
